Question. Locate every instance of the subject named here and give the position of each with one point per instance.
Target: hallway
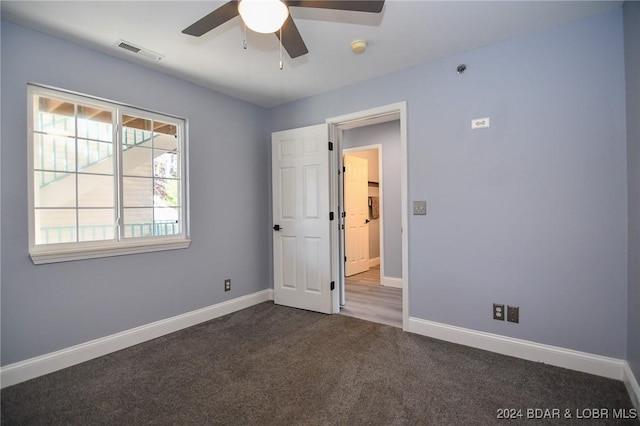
(367, 299)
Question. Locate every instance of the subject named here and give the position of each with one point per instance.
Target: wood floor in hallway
(367, 299)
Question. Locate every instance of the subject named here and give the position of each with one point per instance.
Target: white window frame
(61, 252)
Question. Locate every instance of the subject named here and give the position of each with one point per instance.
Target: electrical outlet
(513, 314)
(498, 312)
(227, 284)
(420, 207)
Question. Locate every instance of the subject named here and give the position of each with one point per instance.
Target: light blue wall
(51, 307)
(388, 135)
(530, 212)
(632, 64)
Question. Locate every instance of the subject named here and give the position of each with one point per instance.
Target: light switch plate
(420, 207)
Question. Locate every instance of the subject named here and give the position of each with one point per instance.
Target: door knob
(276, 227)
(367, 221)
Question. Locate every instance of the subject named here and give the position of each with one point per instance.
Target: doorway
(389, 275)
(365, 295)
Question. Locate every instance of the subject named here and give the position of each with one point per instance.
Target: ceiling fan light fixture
(263, 16)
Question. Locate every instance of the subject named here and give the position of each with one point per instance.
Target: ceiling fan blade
(218, 17)
(291, 39)
(373, 6)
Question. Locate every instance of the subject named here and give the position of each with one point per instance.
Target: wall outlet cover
(498, 312)
(419, 207)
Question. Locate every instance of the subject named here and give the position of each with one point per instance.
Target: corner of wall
(631, 383)
(631, 23)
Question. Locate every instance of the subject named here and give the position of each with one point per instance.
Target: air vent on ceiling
(137, 50)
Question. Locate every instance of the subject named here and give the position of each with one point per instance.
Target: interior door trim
(367, 117)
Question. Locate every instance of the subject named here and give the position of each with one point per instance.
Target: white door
(301, 235)
(356, 207)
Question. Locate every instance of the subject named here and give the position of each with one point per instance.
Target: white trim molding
(48, 363)
(374, 262)
(40, 257)
(391, 282)
(632, 386)
(560, 357)
(380, 115)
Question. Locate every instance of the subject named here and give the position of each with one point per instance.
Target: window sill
(53, 256)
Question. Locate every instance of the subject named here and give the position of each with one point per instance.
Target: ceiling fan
(256, 13)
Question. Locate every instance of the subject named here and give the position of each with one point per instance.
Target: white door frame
(358, 119)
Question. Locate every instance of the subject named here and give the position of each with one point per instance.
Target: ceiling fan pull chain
(244, 42)
(281, 63)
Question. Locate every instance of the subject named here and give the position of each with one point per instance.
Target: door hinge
(344, 214)
(330, 215)
(330, 146)
(333, 285)
(345, 259)
(344, 169)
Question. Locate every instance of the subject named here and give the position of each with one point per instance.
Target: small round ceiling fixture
(358, 46)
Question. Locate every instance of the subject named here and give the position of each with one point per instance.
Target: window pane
(137, 161)
(54, 152)
(134, 122)
(96, 224)
(55, 226)
(95, 157)
(136, 131)
(54, 189)
(165, 164)
(95, 123)
(135, 137)
(95, 191)
(137, 192)
(54, 117)
(166, 193)
(138, 223)
(165, 128)
(167, 221)
(162, 141)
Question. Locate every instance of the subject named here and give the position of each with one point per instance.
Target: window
(105, 179)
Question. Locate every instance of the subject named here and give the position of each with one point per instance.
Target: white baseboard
(391, 282)
(633, 388)
(48, 363)
(374, 262)
(567, 358)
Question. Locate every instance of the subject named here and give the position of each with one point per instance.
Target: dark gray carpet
(274, 365)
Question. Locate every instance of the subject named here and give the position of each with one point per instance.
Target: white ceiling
(406, 33)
